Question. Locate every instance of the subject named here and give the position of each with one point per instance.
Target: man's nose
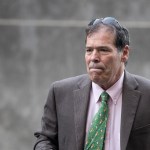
(95, 57)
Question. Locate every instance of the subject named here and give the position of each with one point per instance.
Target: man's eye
(104, 50)
(88, 50)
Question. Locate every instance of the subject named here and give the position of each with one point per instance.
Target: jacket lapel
(130, 102)
(81, 101)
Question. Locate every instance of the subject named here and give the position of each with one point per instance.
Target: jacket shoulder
(75, 81)
(142, 81)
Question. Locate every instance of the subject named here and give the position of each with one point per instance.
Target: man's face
(104, 63)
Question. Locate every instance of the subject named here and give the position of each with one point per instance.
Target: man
(72, 103)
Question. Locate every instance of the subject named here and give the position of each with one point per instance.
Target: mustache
(93, 65)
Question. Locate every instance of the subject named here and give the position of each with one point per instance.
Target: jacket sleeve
(47, 138)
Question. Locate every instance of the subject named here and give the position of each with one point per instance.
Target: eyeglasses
(108, 21)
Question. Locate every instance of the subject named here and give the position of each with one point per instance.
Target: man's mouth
(96, 70)
(96, 67)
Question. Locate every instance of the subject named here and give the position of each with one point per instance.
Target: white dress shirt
(112, 139)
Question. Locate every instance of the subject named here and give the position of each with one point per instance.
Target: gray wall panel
(33, 55)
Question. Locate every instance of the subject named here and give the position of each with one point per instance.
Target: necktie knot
(104, 96)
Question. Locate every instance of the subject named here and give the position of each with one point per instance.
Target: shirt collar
(114, 91)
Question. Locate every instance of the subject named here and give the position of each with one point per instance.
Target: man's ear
(125, 54)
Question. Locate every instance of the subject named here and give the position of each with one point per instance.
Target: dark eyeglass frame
(107, 20)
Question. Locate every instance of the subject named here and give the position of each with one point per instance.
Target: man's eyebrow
(88, 46)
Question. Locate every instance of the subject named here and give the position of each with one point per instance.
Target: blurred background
(42, 41)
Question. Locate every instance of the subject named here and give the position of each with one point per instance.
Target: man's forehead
(101, 36)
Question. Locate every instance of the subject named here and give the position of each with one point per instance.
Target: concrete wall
(42, 41)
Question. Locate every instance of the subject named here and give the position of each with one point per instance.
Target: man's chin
(95, 75)
(96, 79)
